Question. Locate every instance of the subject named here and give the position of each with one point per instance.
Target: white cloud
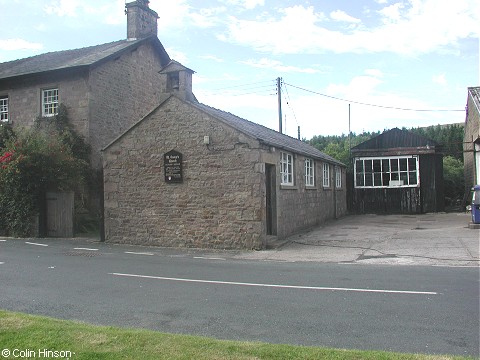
(339, 15)
(179, 56)
(212, 57)
(278, 66)
(440, 79)
(247, 4)
(63, 8)
(374, 72)
(19, 44)
(409, 28)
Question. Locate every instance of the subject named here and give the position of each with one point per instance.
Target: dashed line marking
(208, 258)
(139, 253)
(278, 286)
(1, 263)
(86, 249)
(36, 244)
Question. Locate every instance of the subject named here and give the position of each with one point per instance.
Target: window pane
(393, 165)
(368, 180)
(360, 181)
(386, 179)
(385, 165)
(412, 164)
(368, 166)
(394, 176)
(412, 178)
(359, 166)
(404, 177)
(403, 164)
(377, 166)
(377, 177)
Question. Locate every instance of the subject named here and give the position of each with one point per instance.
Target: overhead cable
(374, 105)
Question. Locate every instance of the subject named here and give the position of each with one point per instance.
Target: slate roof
(70, 59)
(268, 136)
(395, 138)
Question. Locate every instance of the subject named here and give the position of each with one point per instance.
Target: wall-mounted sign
(172, 164)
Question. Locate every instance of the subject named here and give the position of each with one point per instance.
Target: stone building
(106, 88)
(471, 142)
(230, 183)
(189, 175)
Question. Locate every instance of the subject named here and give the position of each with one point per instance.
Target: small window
(326, 175)
(3, 108)
(286, 168)
(338, 177)
(173, 81)
(49, 102)
(309, 172)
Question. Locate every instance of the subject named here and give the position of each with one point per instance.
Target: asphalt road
(421, 309)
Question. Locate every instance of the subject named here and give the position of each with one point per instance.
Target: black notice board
(173, 166)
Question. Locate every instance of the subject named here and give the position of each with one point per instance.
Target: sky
(363, 65)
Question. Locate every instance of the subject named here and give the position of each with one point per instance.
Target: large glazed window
(387, 172)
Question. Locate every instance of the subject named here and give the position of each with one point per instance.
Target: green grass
(84, 341)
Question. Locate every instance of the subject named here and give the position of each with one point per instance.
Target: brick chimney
(141, 20)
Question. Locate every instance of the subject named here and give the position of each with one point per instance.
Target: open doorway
(271, 199)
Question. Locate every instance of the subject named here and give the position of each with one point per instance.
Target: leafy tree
(453, 179)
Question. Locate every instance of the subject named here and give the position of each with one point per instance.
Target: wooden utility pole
(279, 93)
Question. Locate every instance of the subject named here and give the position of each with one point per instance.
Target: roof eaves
(271, 138)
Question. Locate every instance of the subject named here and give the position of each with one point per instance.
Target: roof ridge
(61, 51)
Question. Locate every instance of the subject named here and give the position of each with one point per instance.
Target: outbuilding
(398, 172)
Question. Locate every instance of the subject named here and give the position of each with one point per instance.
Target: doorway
(271, 199)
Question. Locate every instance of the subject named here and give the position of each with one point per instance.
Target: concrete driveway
(442, 239)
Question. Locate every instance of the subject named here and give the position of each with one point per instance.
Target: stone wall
(102, 102)
(123, 91)
(472, 134)
(300, 207)
(25, 95)
(220, 202)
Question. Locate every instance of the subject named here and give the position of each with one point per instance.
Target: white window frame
(387, 172)
(4, 108)
(49, 102)
(326, 175)
(309, 172)
(286, 168)
(338, 177)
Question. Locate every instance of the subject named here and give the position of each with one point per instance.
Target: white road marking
(139, 253)
(1, 240)
(208, 258)
(36, 244)
(277, 285)
(1, 263)
(86, 249)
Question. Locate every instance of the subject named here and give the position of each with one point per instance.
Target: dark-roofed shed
(398, 172)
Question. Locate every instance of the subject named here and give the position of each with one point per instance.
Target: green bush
(453, 179)
(32, 162)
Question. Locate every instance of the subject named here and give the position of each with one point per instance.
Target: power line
(374, 105)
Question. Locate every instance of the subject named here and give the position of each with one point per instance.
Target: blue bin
(476, 204)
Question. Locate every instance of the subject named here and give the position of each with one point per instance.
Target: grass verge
(27, 337)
